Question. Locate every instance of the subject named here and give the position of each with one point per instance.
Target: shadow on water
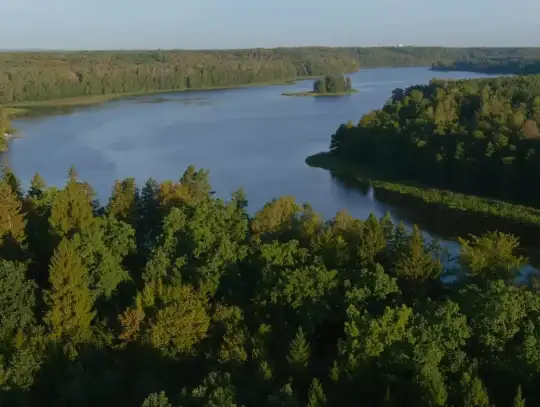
(64, 110)
(446, 223)
(150, 100)
(45, 111)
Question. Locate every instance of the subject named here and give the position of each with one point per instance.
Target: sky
(212, 24)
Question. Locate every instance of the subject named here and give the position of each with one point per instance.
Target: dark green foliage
(513, 65)
(474, 136)
(156, 400)
(172, 298)
(17, 300)
(31, 76)
(332, 84)
(5, 128)
(519, 401)
(43, 76)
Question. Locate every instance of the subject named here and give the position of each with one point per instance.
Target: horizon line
(397, 46)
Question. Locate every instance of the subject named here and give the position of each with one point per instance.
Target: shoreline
(313, 94)
(25, 108)
(455, 201)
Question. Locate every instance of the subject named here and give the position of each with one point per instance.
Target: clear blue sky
(151, 24)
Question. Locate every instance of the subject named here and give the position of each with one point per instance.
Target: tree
(124, 200)
(491, 256)
(519, 401)
(216, 390)
(156, 400)
(475, 394)
(69, 300)
(72, 210)
(12, 221)
(9, 177)
(37, 187)
(316, 397)
(298, 356)
(17, 299)
(179, 323)
(319, 86)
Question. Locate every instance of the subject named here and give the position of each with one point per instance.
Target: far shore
(24, 108)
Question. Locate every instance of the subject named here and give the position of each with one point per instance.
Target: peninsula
(328, 86)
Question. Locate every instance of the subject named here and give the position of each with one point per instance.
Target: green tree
(298, 356)
(156, 400)
(519, 401)
(316, 397)
(69, 301)
(124, 201)
(17, 299)
(12, 219)
(492, 256)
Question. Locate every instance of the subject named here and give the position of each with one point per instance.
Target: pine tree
(519, 401)
(37, 187)
(123, 201)
(298, 356)
(17, 299)
(217, 390)
(69, 300)
(316, 397)
(415, 262)
(157, 400)
(475, 394)
(37, 204)
(72, 209)
(149, 218)
(8, 176)
(12, 222)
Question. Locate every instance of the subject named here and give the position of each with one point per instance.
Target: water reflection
(442, 224)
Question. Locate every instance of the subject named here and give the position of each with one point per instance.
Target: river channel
(246, 137)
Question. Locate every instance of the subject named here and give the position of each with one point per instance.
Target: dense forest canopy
(477, 136)
(516, 66)
(37, 76)
(332, 84)
(168, 297)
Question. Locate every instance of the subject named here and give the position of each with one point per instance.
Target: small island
(328, 86)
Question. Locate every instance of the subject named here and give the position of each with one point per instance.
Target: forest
(512, 66)
(166, 296)
(474, 136)
(40, 76)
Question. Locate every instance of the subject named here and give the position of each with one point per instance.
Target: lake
(253, 138)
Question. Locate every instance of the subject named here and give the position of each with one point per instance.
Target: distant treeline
(37, 76)
(474, 136)
(517, 66)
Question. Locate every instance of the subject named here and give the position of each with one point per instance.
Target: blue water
(253, 138)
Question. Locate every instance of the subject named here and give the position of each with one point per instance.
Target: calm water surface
(252, 138)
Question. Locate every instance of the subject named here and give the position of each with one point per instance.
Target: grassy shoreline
(452, 200)
(22, 108)
(313, 94)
